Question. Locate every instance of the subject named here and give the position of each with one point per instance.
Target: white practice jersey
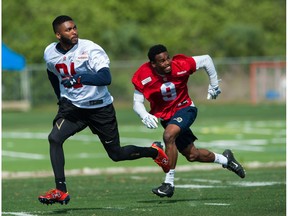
(85, 57)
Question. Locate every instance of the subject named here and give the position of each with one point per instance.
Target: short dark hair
(155, 50)
(59, 20)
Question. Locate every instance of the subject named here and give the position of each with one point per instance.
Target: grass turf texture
(254, 133)
(216, 192)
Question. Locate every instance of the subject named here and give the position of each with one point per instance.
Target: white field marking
(121, 170)
(244, 145)
(253, 130)
(87, 155)
(278, 140)
(234, 183)
(261, 124)
(253, 144)
(17, 214)
(194, 186)
(208, 181)
(141, 128)
(248, 127)
(138, 177)
(79, 137)
(238, 184)
(217, 204)
(24, 135)
(249, 148)
(22, 155)
(254, 184)
(245, 130)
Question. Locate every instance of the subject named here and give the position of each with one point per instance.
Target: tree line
(127, 28)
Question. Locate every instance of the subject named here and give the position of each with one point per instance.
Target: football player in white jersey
(78, 70)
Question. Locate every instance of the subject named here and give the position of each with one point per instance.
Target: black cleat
(165, 189)
(233, 165)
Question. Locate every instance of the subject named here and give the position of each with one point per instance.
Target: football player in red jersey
(163, 82)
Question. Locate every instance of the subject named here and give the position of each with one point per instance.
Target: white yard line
(23, 155)
(80, 137)
(217, 204)
(120, 170)
(18, 214)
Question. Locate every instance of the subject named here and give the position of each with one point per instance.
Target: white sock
(220, 159)
(170, 177)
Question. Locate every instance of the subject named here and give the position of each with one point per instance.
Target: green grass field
(99, 186)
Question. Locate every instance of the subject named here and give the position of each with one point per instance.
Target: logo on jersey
(83, 56)
(178, 119)
(147, 80)
(181, 72)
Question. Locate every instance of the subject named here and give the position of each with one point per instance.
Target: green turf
(261, 193)
(254, 133)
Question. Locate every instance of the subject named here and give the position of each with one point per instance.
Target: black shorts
(184, 118)
(101, 121)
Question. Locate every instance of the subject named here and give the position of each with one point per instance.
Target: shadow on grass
(75, 210)
(171, 200)
(162, 201)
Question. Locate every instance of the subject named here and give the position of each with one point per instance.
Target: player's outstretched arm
(101, 78)
(206, 62)
(138, 106)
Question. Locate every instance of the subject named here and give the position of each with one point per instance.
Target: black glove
(70, 81)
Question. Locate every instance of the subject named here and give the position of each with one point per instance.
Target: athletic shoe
(53, 196)
(232, 164)
(165, 189)
(161, 159)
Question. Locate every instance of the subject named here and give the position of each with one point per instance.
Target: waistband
(86, 103)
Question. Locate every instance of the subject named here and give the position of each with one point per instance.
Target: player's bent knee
(115, 157)
(55, 139)
(114, 153)
(52, 138)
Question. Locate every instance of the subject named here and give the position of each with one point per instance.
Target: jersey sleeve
(141, 77)
(49, 54)
(98, 58)
(186, 62)
(136, 83)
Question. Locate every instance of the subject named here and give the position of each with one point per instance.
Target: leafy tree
(127, 28)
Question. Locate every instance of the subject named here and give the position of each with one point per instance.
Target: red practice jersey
(167, 93)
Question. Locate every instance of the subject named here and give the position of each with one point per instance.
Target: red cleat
(161, 159)
(53, 196)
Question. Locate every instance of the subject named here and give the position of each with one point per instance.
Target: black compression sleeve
(54, 82)
(101, 78)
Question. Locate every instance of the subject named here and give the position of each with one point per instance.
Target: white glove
(150, 121)
(213, 92)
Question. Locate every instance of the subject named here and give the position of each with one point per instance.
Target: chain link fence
(234, 73)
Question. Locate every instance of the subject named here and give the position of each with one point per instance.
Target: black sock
(154, 152)
(61, 184)
(140, 152)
